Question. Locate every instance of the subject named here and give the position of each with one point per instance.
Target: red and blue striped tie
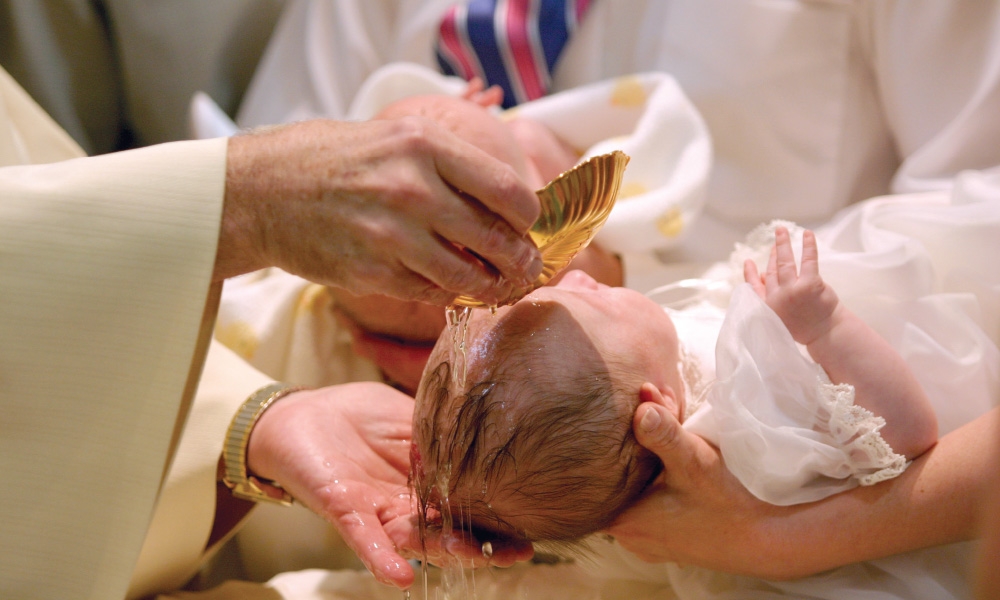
(511, 43)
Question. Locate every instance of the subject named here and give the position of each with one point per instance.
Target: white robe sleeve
(174, 547)
(322, 52)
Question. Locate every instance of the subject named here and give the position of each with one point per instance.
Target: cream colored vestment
(105, 269)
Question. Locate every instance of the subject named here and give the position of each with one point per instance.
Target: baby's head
(538, 444)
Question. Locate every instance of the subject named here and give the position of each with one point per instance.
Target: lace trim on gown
(857, 429)
(853, 426)
(785, 431)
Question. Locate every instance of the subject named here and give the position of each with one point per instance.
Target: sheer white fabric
(786, 432)
(919, 270)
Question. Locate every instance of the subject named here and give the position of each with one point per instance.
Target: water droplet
(487, 550)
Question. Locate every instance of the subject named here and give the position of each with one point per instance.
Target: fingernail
(650, 421)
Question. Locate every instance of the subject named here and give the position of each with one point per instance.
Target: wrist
(239, 247)
(237, 476)
(827, 331)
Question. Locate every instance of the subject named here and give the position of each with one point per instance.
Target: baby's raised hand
(805, 304)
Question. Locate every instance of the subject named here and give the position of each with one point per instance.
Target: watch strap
(234, 453)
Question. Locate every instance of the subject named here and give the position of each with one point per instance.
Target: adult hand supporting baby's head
(695, 512)
(396, 335)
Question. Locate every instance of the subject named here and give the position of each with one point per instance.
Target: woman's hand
(548, 154)
(400, 360)
(696, 512)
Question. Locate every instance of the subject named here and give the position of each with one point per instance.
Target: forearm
(932, 503)
(852, 352)
(987, 578)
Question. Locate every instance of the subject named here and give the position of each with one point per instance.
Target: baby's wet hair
(545, 457)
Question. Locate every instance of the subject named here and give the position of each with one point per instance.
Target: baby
(538, 444)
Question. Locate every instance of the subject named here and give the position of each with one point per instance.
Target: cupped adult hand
(401, 361)
(396, 335)
(384, 316)
(343, 452)
(400, 207)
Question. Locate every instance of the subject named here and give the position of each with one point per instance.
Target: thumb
(659, 431)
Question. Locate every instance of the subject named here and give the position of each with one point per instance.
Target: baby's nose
(577, 279)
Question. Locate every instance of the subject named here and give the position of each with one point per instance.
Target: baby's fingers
(785, 258)
(810, 255)
(753, 277)
(771, 274)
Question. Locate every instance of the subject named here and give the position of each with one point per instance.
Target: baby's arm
(844, 345)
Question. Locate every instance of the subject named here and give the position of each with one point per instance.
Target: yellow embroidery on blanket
(631, 189)
(315, 299)
(671, 223)
(239, 337)
(628, 92)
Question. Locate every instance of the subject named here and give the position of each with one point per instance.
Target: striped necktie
(511, 43)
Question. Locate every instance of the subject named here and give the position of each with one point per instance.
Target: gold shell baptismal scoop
(574, 207)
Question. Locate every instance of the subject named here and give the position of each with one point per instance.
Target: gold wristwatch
(234, 453)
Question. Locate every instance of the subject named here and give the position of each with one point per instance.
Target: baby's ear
(664, 396)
